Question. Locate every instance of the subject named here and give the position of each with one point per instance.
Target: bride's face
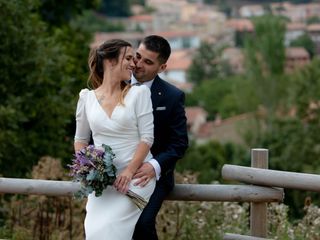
(125, 64)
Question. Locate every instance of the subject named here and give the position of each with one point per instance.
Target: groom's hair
(159, 45)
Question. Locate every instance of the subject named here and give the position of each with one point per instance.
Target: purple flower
(89, 168)
(94, 169)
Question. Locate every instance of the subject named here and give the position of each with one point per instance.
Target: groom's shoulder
(169, 87)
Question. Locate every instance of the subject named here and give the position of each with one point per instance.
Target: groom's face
(147, 64)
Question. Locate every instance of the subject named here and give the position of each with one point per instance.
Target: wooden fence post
(258, 211)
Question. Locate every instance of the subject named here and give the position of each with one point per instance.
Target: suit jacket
(170, 127)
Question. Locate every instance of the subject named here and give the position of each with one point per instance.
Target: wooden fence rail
(230, 236)
(268, 190)
(181, 192)
(274, 178)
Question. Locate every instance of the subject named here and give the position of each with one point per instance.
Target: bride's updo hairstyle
(110, 50)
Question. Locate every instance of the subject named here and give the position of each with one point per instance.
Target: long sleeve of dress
(82, 125)
(143, 109)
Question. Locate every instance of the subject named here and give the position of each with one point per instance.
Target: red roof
(205, 130)
(296, 52)
(314, 27)
(141, 18)
(173, 34)
(240, 24)
(296, 26)
(101, 37)
(193, 112)
(179, 60)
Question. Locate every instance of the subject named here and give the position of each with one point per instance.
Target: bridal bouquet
(94, 169)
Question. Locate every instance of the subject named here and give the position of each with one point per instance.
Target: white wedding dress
(113, 215)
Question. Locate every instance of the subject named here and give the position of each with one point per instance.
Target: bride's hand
(123, 180)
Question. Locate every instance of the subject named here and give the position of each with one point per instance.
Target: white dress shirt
(152, 161)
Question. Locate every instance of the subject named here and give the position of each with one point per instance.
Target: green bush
(42, 69)
(207, 160)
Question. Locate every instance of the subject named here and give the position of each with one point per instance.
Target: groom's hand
(144, 174)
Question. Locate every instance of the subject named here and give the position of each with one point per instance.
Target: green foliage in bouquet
(94, 169)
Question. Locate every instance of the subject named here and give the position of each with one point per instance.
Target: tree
(41, 72)
(139, 2)
(208, 1)
(115, 8)
(91, 21)
(206, 64)
(228, 97)
(293, 141)
(58, 14)
(265, 59)
(313, 19)
(225, 8)
(240, 38)
(210, 158)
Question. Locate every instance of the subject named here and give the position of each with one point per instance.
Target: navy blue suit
(170, 144)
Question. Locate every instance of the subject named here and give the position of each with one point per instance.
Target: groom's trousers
(146, 225)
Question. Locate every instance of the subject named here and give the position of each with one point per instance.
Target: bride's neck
(110, 87)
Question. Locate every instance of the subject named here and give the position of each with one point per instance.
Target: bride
(119, 115)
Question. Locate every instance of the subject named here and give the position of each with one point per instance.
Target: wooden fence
(269, 190)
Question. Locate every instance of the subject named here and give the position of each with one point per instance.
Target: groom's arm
(177, 144)
(178, 136)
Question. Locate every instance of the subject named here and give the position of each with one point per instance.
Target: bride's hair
(108, 50)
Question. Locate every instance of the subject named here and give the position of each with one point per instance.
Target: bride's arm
(143, 111)
(82, 134)
(79, 145)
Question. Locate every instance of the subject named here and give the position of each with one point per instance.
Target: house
(314, 33)
(182, 15)
(279, 8)
(221, 130)
(196, 116)
(188, 11)
(177, 39)
(142, 23)
(294, 31)
(177, 68)
(238, 29)
(235, 58)
(167, 13)
(312, 10)
(240, 25)
(296, 13)
(205, 132)
(248, 11)
(296, 57)
(181, 39)
(133, 37)
(137, 9)
(299, 12)
(178, 65)
(207, 22)
(231, 129)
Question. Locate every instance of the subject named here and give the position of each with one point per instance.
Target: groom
(170, 129)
